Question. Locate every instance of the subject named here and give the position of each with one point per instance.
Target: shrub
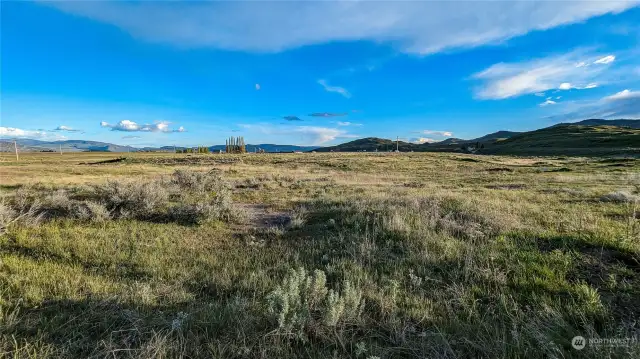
(132, 199)
(303, 301)
(414, 216)
(191, 213)
(620, 197)
(298, 217)
(6, 216)
(197, 182)
(92, 211)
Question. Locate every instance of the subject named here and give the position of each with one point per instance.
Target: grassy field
(376, 255)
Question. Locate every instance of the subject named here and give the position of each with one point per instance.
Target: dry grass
(380, 255)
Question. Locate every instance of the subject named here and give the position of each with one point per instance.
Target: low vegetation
(318, 255)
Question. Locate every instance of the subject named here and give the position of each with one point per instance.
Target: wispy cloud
(563, 72)
(622, 104)
(66, 128)
(420, 27)
(327, 114)
(12, 132)
(347, 123)
(291, 118)
(605, 60)
(548, 102)
(129, 137)
(130, 126)
(337, 89)
(623, 95)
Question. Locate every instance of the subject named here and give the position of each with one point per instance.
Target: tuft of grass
(131, 199)
(620, 197)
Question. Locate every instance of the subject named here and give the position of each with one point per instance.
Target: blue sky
(312, 72)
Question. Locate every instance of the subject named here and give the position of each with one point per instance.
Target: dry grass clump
(455, 217)
(7, 214)
(303, 301)
(298, 217)
(140, 200)
(196, 182)
(201, 197)
(620, 197)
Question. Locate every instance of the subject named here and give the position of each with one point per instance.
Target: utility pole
(15, 145)
(397, 144)
(61, 149)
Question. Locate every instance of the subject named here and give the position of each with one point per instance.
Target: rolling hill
(599, 122)
(588, 137)
(561, 139)
(29, 145)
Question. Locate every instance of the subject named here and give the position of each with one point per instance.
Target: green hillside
(569, 140)
(371, 144)
(564, 139)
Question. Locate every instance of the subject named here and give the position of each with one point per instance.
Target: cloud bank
(308, 135)
(622, 104)
(130, 126)
(562, 72)
(419, 27)
(12, 132)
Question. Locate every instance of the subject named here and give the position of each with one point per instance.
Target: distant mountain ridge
(30, 145)
(587, 137)
(599, 122)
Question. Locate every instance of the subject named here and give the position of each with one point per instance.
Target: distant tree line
(199, 149)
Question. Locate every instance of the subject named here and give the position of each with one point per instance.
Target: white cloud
(337, 89)
(423, 140)
(420, 27)
(130, 126)
(505, 80)
(437, 133)
(347, 123)
(547, 103)
(13, 132)
(623, 95)
(565, 86)
(539, 94)
(605, 60)
(309, 135)
(131, 137)
(257, 86)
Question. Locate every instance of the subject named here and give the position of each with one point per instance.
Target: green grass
(384, 255)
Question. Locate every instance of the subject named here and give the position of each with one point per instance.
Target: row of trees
(235, 145)
(199, 149)
(232, 145)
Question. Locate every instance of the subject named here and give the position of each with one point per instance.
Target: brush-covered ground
(378, 255)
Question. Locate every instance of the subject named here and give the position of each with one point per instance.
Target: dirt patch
(260, 216)
(113, 160)
(499, 169)
(512, 186)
